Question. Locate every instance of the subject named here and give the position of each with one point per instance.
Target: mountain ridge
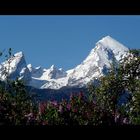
(95, 65)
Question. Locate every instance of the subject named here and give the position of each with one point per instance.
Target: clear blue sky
(64, 40)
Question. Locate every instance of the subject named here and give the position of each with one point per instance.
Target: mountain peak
(52, 67)
(17, 67)
(111, 43)
(106, 38)
(98, 62)
(29, 65)
(19, 54)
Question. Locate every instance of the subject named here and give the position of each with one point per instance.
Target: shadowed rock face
(55, 73)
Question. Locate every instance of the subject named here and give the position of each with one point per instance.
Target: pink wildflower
(81, 95)
(42, 107)
(125, 121)
(60, 108)
(54, 103)
(71, 96)
(29, 115)
(68, 106)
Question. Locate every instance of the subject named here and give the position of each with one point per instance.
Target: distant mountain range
(98, 62)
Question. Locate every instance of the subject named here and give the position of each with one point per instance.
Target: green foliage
(135, 52)
(131, 73)
(119, 81)
(101, 107)
(15, 102)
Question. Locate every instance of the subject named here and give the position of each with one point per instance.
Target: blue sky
(64, 40)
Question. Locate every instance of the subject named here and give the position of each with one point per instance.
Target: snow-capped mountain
(16, 67)
(106, 51)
